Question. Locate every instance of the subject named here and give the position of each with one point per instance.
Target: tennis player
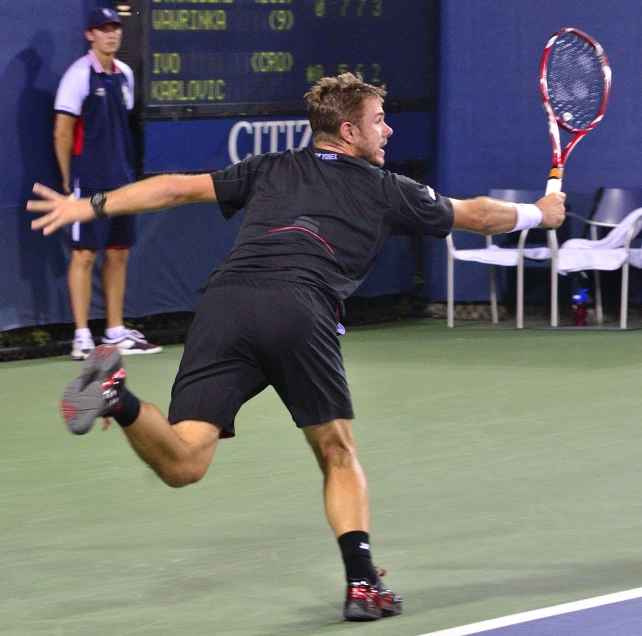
(315, 219)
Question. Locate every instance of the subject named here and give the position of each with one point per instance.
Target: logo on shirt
(100, 92)
(125, 90)
(431, 193)
(327, 156)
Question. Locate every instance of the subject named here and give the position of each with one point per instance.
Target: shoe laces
(379, 585)
(111, 389)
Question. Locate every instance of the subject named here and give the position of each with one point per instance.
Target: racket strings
(575, 81)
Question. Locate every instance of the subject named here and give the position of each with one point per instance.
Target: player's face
(105, 39)
(372, 133)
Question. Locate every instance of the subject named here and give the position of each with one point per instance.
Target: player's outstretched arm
(156, 193)
(491, 216)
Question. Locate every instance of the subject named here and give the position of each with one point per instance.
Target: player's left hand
(58, 209)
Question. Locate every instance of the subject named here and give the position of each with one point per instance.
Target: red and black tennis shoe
(366, 602)
(96, 393)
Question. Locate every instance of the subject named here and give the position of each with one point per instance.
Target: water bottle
(579, 308)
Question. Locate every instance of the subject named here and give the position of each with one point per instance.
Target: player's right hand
(58, 209)
(553, 210)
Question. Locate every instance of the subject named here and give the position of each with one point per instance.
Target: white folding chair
(493, 255)
(619, 211)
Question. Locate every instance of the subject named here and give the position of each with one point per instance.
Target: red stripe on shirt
(79, 136)
(296, 227)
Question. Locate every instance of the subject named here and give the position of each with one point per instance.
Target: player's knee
(333, 444)
(338, 452)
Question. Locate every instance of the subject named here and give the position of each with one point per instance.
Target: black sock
(127, 409)
(355, 549)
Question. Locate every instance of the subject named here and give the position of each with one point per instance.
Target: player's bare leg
(347, 507)
(114, 281)
(345, 488)
(179, 454)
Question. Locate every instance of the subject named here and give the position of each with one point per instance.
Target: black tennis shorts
(248, 334)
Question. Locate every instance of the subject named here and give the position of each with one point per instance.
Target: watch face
(97, 199)
(97, 202)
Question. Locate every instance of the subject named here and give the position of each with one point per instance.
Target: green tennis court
(504, 469)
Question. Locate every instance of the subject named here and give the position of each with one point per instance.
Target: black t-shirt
(319, 217)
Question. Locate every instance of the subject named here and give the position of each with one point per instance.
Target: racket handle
(553, 185)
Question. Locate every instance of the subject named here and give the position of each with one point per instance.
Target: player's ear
(347, 131)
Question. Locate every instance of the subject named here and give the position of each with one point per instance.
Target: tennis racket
(575, 82)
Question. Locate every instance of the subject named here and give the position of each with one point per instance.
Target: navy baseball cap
(99, 17)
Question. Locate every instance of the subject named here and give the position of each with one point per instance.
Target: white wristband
(528, 216)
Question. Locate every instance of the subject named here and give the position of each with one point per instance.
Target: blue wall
(491, 127)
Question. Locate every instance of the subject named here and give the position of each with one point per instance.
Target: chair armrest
(577, 216)
(590, 221)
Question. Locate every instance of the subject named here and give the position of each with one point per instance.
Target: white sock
(116, 332)
(82, 334)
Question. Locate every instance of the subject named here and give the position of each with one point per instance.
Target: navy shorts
(110, 233)
(249, 334)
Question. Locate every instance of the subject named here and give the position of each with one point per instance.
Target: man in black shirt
(314, 222)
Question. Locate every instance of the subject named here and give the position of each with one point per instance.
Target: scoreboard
(205, 58)
(221, 80)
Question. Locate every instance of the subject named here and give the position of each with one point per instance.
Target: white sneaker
(80, 349)
(132, 342)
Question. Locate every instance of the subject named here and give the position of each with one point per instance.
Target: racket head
(575, 80)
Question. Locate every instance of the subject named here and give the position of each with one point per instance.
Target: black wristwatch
(97, 202)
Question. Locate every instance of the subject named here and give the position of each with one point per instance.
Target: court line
(546, 612)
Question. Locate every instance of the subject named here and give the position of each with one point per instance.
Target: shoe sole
(359, 610)
(355, 612)
(82, 401)
(133, 352)
(79, 406)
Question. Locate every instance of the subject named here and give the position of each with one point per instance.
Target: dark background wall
(492, 128)
(491, 134)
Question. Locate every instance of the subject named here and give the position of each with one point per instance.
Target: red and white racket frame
(555, 122)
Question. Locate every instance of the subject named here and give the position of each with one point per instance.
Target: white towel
(495, 255)
(608, 253)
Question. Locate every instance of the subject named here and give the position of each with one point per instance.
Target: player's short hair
(334, 100)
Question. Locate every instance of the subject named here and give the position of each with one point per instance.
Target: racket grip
(553, 185)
